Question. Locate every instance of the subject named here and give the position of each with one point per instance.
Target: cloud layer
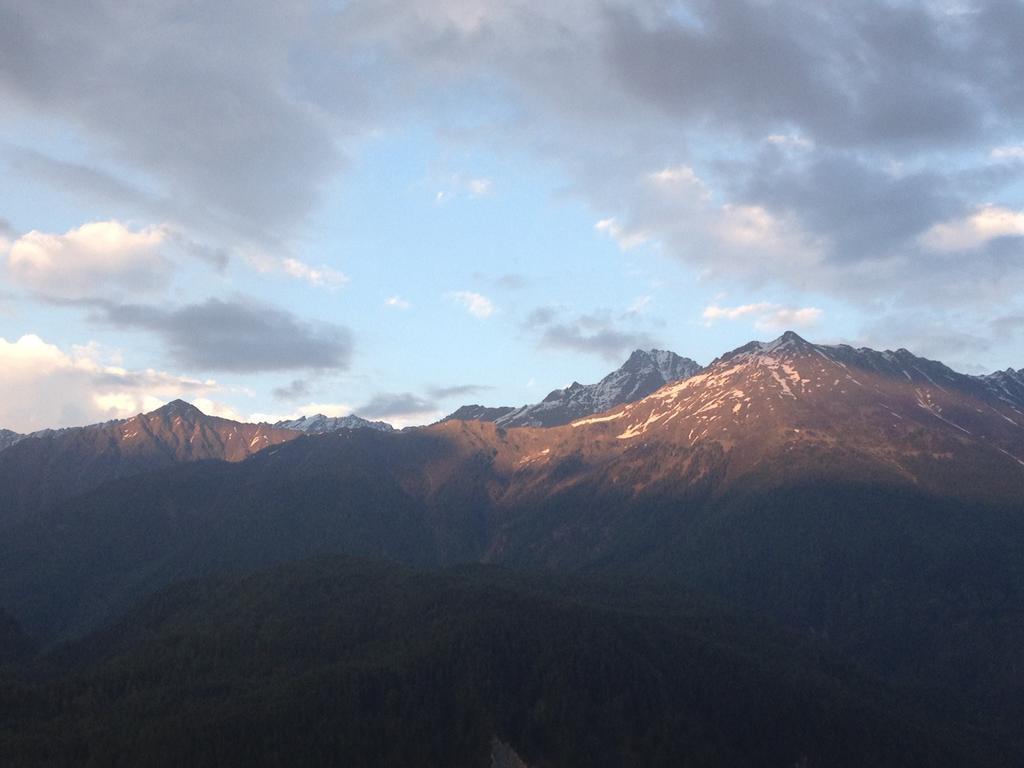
(238, 335)
(45, 385)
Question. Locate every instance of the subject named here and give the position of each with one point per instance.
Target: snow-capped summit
(644, 372)
(319, 424)
(1007, 385)
(789, 395)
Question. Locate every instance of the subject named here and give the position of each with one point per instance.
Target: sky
(396, 207)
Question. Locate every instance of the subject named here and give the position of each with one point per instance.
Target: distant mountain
(639, 376)
(319, 424)
(9, 438)
(1007, 385)
(52, 465)
(479, 413)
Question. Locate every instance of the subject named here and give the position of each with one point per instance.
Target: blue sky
(396, 208)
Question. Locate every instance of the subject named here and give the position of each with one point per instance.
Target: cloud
(458, 186)
(400, 409)
(626, 239)
(7, 235)
(237, 335)
(1008, 153)
(478, 305)
(593, 334)
(96, 258)
(827, 138)
(397, 302)
(460, 390)
(319, 277)
(790, 141)
(987, 223)
(295, 389)
(309, 409)
(639, 305)
(785, 317)
(479, 187)
(45, 386)
(511, 281)
(191, 109)
(766, 316)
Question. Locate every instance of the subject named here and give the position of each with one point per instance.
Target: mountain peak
(644, 372)
(177, 407)
(790, 340)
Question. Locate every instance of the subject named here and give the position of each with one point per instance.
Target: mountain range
(318, 424)
(870, 503)
(639, 376)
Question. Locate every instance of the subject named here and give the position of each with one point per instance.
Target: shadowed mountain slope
(50, 466)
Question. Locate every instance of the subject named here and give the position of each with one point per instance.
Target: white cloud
(627, 239)
(92, 259)
(46, 386)
(787, 317)
(1012, 152)
(458, 186)
(397, 302)
(639, 305)
(476, 304)
(479, 187)
(790, 141)
(715, 312)
(751, 226)
(320, 277)
(682, 176)
(766, 316)
(986, 223)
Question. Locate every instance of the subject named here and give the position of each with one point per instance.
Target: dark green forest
(342, 662)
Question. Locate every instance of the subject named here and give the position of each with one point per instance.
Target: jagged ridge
(319, 424)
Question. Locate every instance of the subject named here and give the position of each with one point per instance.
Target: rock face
(639, 376)
(318, 424)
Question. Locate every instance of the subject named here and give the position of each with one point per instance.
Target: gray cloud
(592, 334)
(864, 211)
(878, 73)
(239, 335)
(511, 281)
(1009, 327)
(204, 108)
(294, 390)
(461, 390)
(395, 405)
